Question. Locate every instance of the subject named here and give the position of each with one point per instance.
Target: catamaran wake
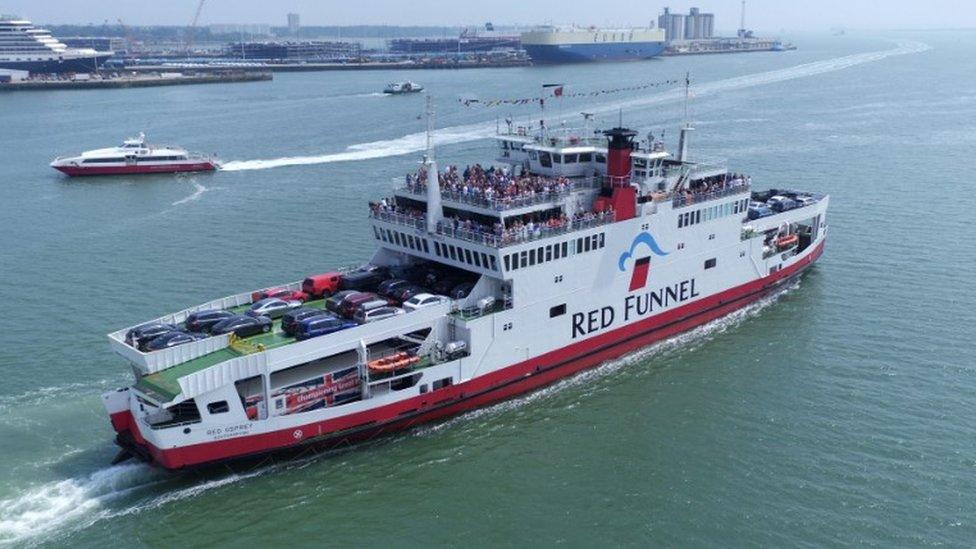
(472, 132)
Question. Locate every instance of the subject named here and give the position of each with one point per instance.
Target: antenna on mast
(430, 126)
(687, 128)
(435, 213)
(687, 94)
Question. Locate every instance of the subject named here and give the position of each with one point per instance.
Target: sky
(763, 15)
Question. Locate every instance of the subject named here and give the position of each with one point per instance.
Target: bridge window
(586, 157)
(508, 262)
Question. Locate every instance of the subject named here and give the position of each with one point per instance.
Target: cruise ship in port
(27, 48)
(485, 283)
(573, 45)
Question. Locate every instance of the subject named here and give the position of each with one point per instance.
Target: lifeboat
(392, 363)
(787, 241)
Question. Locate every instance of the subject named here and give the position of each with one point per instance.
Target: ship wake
(460, 134)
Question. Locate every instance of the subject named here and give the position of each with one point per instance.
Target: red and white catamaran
(580, 249)
(135, 156)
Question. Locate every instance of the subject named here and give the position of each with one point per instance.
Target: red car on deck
(280, 293)
(321, 285)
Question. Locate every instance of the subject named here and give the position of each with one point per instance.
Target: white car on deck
(420, 301)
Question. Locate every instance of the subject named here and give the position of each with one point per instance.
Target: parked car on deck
(407, 292)
(202, 321)
(781, 203)
(759, 210)
(334, 302)
(243, 325)
(320, 326)
(280, 293)
(389, 287)
(139, 336)
(424, 300)
(172, 339)
(351, 303)
(321, 285)
(272, 307)
(365, 279)
(363, 316)
(292, 318)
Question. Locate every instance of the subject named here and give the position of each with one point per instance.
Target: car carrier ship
(583, 247)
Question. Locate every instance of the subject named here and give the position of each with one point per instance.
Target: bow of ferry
(583, 249)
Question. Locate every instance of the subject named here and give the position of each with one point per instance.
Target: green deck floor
(163, 385)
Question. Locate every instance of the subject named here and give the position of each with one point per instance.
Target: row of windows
(141, 159)
(447, 251)
(402, 239)
(552, 252)
(712, 212)
(464, 255)
(548, 159)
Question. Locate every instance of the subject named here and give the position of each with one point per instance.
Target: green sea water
(840, 412)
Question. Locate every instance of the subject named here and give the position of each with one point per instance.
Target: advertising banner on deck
(332, 389)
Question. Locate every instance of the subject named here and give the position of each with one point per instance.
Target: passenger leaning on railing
(490, 186)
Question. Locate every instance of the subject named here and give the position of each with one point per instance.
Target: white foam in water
(58, 504)
(473, 132)
(197, 193)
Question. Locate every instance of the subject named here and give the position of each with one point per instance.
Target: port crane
(193, 27)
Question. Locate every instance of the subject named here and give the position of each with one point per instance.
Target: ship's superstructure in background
(486, 282)
(25, 47)
(572, 45)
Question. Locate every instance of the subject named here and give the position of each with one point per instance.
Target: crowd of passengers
(490, 184)
(700, 187)
(519, 230)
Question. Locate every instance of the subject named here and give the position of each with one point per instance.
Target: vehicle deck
(163, 385)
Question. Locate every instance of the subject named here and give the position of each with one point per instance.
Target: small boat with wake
(401, 88)
(135, 156)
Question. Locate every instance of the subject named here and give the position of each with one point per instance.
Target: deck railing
(686, 199)
(503, 203)
(488, 237)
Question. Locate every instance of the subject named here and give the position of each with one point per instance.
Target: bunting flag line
(558, 90)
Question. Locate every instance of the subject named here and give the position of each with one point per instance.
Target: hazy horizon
(761, 15)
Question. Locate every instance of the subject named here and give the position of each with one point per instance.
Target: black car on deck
(243, 325)
(365, 279)
(389, 288)
(139, 336)
(202, 321)
(290, 321)
(172, 339)
(334, 303)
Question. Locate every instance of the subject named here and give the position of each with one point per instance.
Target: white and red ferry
(580, 249)
(135, 156)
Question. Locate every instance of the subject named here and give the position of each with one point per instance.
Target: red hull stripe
(483, 390)
(137, 169)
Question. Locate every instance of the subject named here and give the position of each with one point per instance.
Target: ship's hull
(474, 393)
(52, 66)
(79, 170)
(590, 52)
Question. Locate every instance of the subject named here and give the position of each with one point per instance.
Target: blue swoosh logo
(642, 238)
